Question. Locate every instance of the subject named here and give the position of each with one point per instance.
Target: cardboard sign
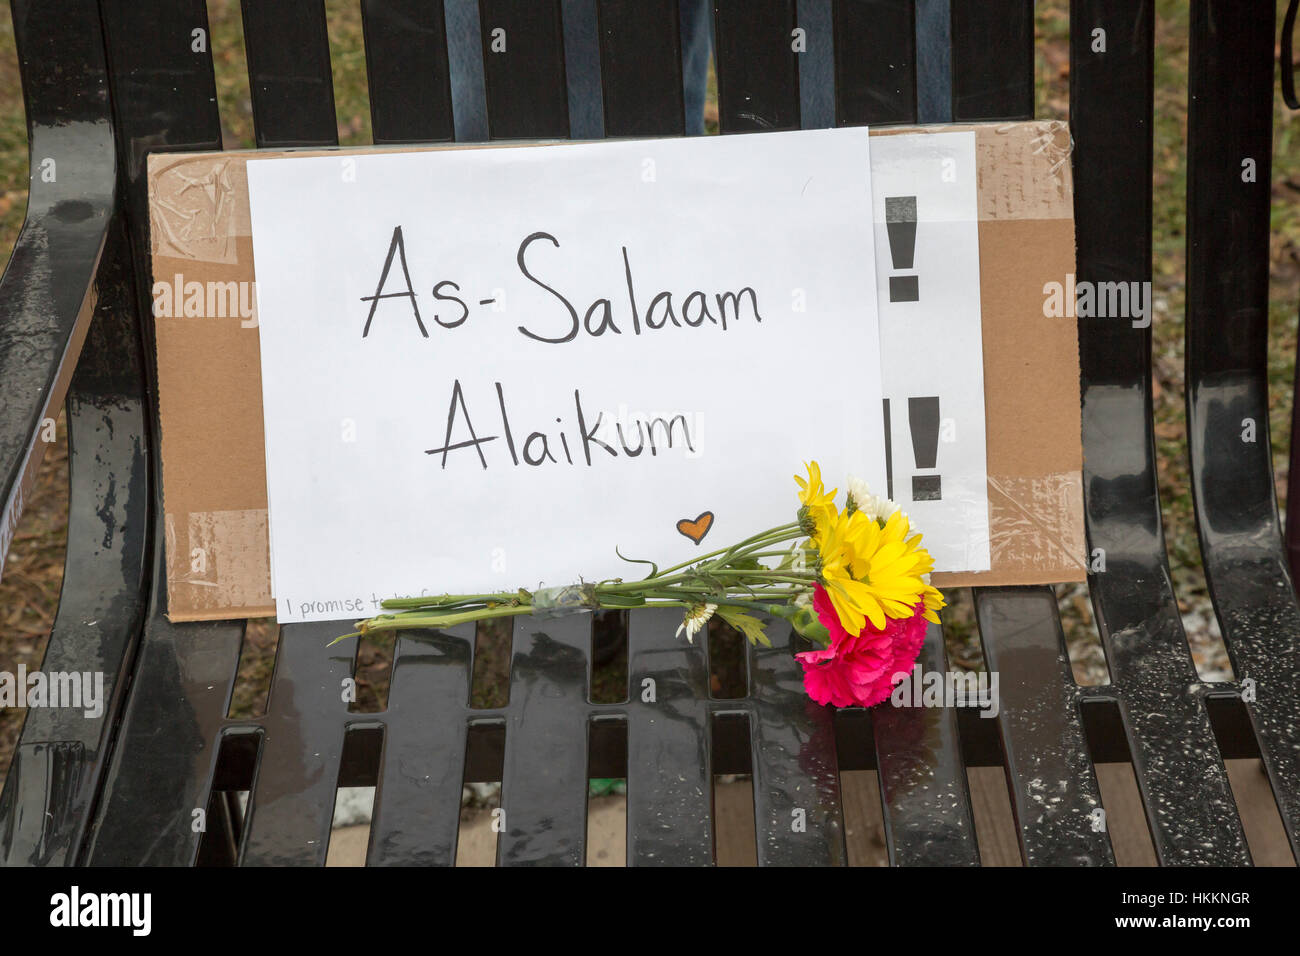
(490, 368)
(210, 383)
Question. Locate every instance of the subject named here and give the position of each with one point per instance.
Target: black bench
(124, 789)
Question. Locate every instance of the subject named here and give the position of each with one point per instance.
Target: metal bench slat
(406, 69)
(167, 747)
(1179, 770)
(70, 237)
(161, 771)
(992, 60)
(758, 76)
(523, 65)
(669, 732)
(544, 779)
(641, 55)
(164, 98)
(421, 773)
(105, 583)
(668, 722)
(875, 62)
(923, 789)
(1053, 787)
(289, 74)
(1050, 776)
(798, 816)
(68, 211)
(291, 805)
(1229, 137)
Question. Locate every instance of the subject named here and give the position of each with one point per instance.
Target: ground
(33, 572)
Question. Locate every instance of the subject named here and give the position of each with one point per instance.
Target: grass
(33, 572)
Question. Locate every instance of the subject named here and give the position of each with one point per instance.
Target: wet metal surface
(923, 787)
(1230, 122)
(50, 303)
(1162, 702)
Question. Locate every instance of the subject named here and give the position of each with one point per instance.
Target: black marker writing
(396, 246)
(655, 434)
(605, 314)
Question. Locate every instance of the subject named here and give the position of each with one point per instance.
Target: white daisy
(876, 507)
(697, 615)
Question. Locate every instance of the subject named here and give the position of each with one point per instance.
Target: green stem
(450, 600)
(754, 549)
(786, 530)
(671, 587)
(413, 619)
(791, 577)
(764, 603)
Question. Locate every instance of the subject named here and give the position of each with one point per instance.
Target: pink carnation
(859, 670)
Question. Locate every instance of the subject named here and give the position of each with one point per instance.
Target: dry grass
(29, 587)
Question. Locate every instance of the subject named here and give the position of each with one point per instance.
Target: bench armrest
(46, 293)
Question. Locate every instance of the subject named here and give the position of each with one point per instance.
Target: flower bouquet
(855, 582)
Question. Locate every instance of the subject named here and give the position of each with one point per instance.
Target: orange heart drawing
(697, 529)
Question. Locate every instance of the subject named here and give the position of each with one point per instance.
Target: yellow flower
(817, 502)
(872, 566)
(892, 562)
(933, 602)
(851, 598)
(873, 572)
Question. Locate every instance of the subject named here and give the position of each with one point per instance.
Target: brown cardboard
(213, 459)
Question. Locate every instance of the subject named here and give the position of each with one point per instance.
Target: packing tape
(215, 558)
(564, 600)
(198, 206)
(199, 202)
(1036, 521)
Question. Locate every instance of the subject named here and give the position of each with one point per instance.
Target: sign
(490, 368)
(928, 276)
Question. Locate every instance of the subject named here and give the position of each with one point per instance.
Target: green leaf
(747, 624)
(654, 568)
(796, 556)
(806, 623)
(620, 600)
(745, 564)
(699, 579)
(343, 637)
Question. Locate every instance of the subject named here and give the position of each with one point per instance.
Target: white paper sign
(610, 338)
(928, 281)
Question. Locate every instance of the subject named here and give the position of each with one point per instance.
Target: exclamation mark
(923, 420)
(889, 455)
(900, 225)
